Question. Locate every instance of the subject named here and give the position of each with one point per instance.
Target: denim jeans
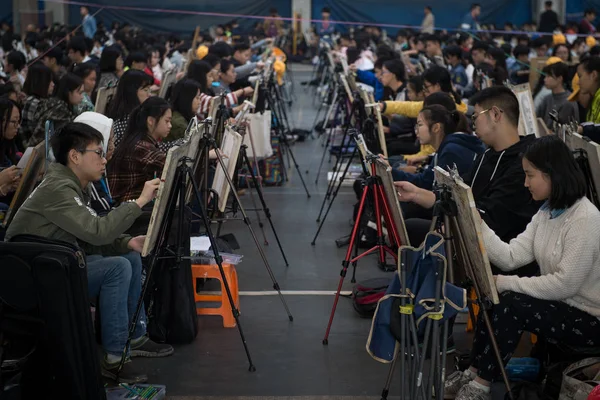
(117, 281)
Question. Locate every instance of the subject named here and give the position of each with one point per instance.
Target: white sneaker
(454, 383)
(470, 392)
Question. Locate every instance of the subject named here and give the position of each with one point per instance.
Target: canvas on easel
(528, 124)
(167, 81)
(29, 179)
(384, 172)
(347, 88)
(167, 183)
(380, 132)
(230, 147)
(103, 98)
(592, 149)
(469, 222)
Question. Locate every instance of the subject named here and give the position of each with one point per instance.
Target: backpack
(367, 293)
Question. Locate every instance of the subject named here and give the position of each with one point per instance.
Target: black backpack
(367, 293)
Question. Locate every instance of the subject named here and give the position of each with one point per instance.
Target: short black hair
(589, 11)
(430, 37)
(417, 83)
(478, 45)
(74, 135)
(84, 70)
(429, 8)
(78, 45)
(326, 10)
(225, 65)
(220, 49)
(501, 97)
(396, 67)
(137, 56)
(16, 59)
(68, 83)
(520, 50)
(553, 157)
(474, 6)
(453, 51)
(548, 3)
(242, 46)
(557, 70)
(38, 81)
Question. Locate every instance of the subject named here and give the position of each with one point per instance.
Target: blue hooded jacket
(457, 148)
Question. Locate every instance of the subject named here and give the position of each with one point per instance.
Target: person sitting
(437, 126)
(185, 102)
(38, 86)
(563, 303)
(133, 89)
(59, 108)
(9, 173)
(87, 73)
(496, 176)
(138, 158)
(59, 209)
(100, 198)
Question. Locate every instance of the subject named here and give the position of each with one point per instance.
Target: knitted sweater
(568, 253)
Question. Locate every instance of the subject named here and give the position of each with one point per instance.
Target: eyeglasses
(100, 153)
(15, 123)
(426, 87)
(476, 115)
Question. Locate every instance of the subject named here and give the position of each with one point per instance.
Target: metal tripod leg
(252, 233)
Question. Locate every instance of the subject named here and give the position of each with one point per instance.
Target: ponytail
(437, 114)
(137, 126)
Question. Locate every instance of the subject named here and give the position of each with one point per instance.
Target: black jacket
(497, 180)
(548, 21)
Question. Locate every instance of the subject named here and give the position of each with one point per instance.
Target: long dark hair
(438, 114)
(184, 92)
(68, 83)
(137, 127)
(108, 59)
(552, 157)
(126, 99)
(7, 147)
(197, 71)
(38, 81)
(437, 75)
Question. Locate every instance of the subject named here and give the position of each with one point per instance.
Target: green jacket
(59, 209)
(178, 127)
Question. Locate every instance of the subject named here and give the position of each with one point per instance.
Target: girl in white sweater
(563, 303)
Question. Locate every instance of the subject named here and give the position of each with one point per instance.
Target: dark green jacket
(59, 209)
(178, 127)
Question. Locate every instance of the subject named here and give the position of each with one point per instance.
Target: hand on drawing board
(383, 160)
(148, 193)
(137, 243)
(212, 155)
(10, 175)
(407, 192)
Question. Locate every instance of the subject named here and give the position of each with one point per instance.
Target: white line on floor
(292, 293)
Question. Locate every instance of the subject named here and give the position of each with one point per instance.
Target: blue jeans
(117, 281)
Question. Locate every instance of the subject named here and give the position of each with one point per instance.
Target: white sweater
(567, 249)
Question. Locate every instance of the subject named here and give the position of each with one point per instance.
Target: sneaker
(470, 392)
(127, 375)
(454, 383)
(144, 347)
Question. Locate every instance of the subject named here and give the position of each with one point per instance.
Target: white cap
(100, 122)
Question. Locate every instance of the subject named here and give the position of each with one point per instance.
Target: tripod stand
(208, 142)
(375, 189)
(278, 113)
(177, 196)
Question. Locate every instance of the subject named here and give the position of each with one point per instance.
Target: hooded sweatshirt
(497, 181)
(101, 199)
(458, 149)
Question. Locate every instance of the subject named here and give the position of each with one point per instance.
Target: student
(87, 72)
(435, 79)
(563, 303)
(77, 50)
(9, 126)
(556, 76)
(59, 209)
(59, 108)
(437, 126)
(496, 176)
(227, 76)
(519, 73)
(458, 74)
(393, 76)
(433, 49)
(185, 102)
(13, 64)
(38, 86)
(100, 198)
(138, 158)
(133, 89)
(111, 66)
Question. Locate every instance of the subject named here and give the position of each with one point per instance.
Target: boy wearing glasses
(59, 209)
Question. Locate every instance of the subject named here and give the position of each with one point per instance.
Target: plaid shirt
(28, 121)
(128, 172)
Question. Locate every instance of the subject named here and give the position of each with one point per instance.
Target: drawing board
(230, 147)
(167, 179)
(592, 149)
(384, 172)
(469, 222)
(29, 178)
(103, 98)
(168, 80)
(528, 124)
(380, 132)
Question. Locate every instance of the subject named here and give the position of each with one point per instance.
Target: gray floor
(289, 356)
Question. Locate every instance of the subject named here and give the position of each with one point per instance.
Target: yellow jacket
(426, 150)
(412, 108)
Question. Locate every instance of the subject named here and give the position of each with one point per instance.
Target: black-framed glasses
(100, 153)
(15, 123)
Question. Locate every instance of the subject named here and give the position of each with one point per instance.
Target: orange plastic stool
(224, 310)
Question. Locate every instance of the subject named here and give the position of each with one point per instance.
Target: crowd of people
(445, 104)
